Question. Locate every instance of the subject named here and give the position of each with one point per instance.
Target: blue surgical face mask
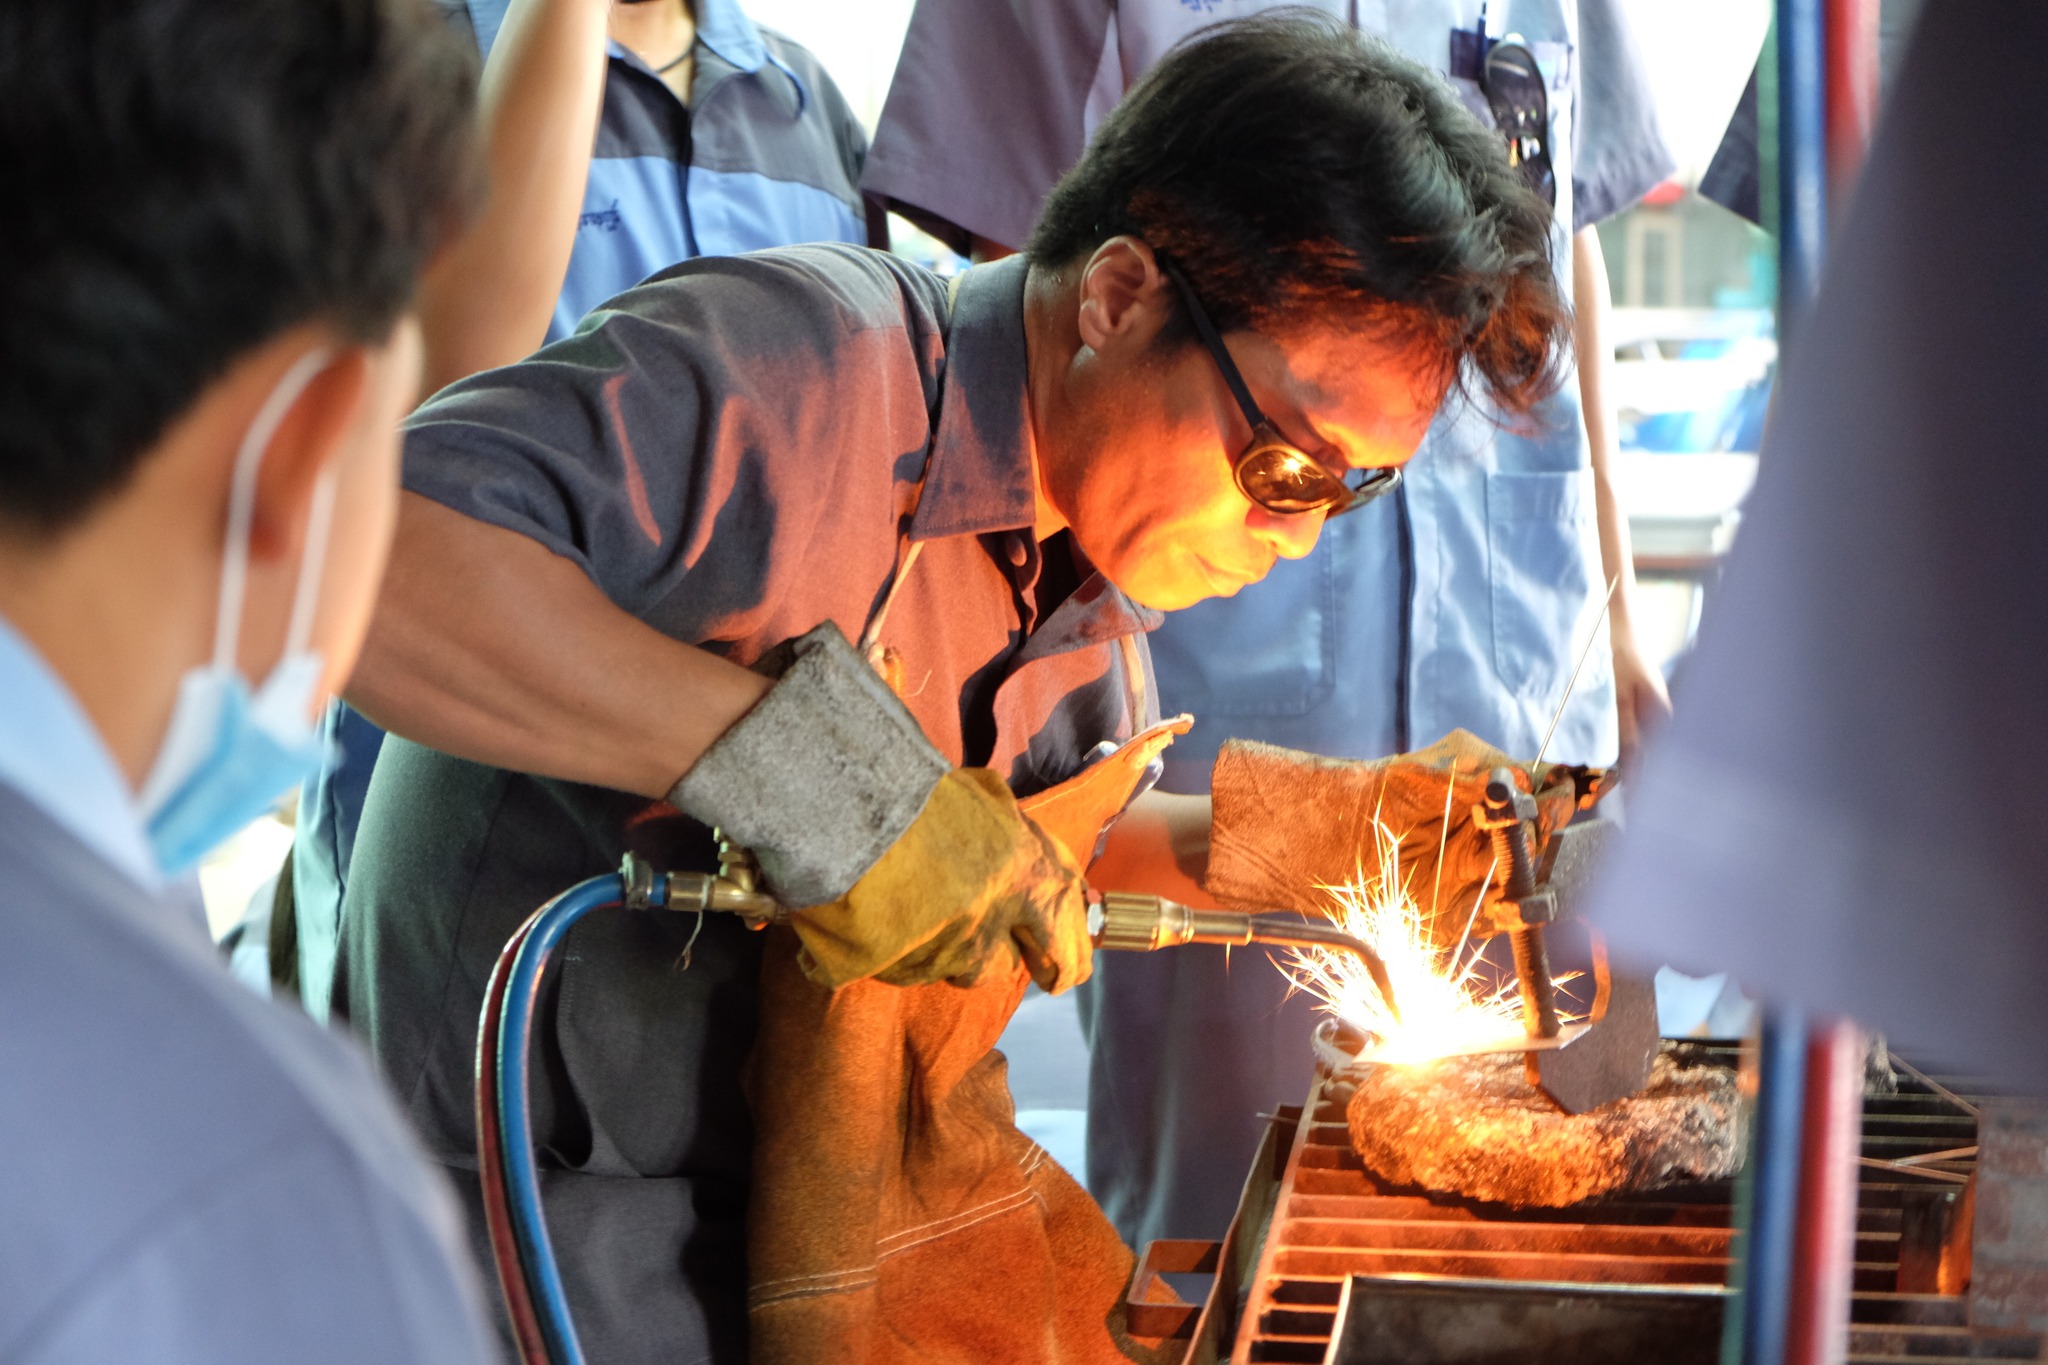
(229, 754)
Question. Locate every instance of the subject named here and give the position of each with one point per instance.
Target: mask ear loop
(234, 569)
(306, 597)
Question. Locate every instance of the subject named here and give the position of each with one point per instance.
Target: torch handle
(1129, 922)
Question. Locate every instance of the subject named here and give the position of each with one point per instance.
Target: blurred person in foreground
(218, 216)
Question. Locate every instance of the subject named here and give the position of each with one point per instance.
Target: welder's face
(1152, 501)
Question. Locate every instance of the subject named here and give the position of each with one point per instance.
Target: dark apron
(645, 1136)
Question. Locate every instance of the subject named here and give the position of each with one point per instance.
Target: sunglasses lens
(1282, 479)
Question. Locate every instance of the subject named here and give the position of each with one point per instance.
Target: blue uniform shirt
(192, 1175)
(767, 153)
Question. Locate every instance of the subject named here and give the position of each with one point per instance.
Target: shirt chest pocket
(1543, 546)
(1271, 651)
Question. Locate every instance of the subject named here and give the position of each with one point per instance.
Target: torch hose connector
(689, 891)
(1123, 921)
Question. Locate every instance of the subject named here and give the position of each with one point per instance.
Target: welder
(842, 558)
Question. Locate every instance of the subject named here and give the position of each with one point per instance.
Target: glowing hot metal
(1447, 1007)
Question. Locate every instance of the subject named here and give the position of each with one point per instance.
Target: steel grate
(1317, 1218)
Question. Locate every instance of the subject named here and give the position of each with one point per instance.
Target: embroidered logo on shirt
(606, 218)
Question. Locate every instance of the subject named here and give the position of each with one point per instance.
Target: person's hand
(971, 882)
(899, 865)
(1642, 701)
(1289, 825)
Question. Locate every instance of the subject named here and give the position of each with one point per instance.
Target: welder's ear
(317, 430)
(1125, 296)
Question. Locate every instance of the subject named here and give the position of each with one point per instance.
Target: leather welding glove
(971, 879)
(899, 865)
(1289, 824)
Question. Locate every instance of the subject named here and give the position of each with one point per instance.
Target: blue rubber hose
(515, 1116)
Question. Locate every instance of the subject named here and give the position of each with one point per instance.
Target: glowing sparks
(1446, 1008)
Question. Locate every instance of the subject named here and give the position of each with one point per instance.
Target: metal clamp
(640, 884)
(1506, 814)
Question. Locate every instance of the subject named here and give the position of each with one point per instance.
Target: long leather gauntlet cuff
(821, 777)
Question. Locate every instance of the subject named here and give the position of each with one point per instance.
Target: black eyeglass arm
(1210, 338)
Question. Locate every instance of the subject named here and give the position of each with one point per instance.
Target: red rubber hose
(526, 1330)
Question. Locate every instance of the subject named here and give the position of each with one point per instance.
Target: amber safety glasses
(1272, 471)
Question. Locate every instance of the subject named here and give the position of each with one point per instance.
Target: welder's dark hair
(1296, 170)
(185, 179)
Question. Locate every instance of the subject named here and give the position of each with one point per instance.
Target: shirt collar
(52, 754)
(722, 26)
(725, 28)
(1097, 613)
(979, 478)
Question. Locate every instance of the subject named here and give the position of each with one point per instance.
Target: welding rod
(1127, 922)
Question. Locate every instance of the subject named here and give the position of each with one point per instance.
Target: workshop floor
(1049, 1075)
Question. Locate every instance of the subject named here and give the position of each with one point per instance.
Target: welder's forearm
(488, 646)
(1160, 848)
(488, 298)
(1591, 302)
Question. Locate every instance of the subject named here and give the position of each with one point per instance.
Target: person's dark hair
(1297, 170)
(185, 179)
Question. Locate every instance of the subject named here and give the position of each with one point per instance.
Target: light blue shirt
(193, 1177)
(52, 754)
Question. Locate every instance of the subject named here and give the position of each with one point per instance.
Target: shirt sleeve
(703, 440)
(986, 113)
(301, 1256)
(1621, 153)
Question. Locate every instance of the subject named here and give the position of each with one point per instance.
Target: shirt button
(1018, 552)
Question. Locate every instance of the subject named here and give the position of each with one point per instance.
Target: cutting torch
(1119, 921)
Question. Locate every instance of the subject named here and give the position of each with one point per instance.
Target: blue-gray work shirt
(732, 452)
(1463, 602)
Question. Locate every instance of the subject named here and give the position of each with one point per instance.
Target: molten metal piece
(1471, 1126)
